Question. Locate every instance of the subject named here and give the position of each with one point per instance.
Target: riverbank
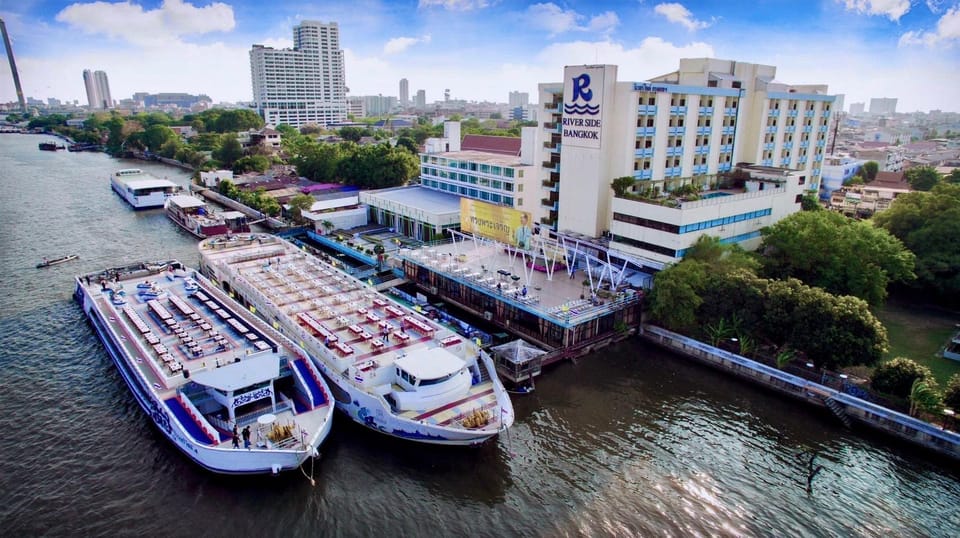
(845, 407)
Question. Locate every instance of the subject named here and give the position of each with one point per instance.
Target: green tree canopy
(219, 120)
(897, 375)
(840, 255)
(156, 135)
(922, 178)
(229, 151)
(809, 202)
(251, 163)
(300, 203)
(870, 169)
(928, 223)
(621, 185)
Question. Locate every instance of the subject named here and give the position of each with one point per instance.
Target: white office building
(689, 127)
(518, 99)
(98, 89)
(305, 84)
(404, 93)
(883, 106)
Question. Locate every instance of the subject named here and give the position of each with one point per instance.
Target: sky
(482, 49)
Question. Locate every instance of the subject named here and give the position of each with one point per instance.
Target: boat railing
(250, 418)
(199, 417)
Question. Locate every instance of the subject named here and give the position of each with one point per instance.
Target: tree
(951, 395)
(923, 397)
(953, 176)
(300, 203)
(928, 223)
(229, 151)
(675, 297)
(318, 162)
(922, 178)
(155, 136)
(621, 185)
(354, 134)
(869, 170)
(409, 144)
(809, 202)
(896, 377)
(840, 255)
(251, 163)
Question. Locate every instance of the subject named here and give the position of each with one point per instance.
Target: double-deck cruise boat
(193, 215)
(140, 189)
(389, 368)
(224, 387)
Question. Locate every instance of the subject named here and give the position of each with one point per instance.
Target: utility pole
(13, 67)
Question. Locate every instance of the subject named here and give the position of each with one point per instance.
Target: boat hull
(213, 458)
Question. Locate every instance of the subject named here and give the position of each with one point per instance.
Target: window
(803, 179)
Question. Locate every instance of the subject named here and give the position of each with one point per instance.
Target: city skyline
(482, 50)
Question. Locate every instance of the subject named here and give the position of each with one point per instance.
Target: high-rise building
(883, 106)
(839, 102)
(518, 99)
(302, 85)
(420, 102)
(857, 109)
(404, 93)
(98, 89)
(684, 130)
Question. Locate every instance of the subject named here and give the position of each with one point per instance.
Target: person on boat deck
(246, 437)
(236, 437)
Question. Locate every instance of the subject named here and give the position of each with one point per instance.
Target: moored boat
(142, 190)
(390, 369)
(194, 215)
(229, 391)
(49, 146)
(56, 261)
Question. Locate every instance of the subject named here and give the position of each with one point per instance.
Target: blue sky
(482, 49)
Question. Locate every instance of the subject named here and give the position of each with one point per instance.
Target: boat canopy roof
(232, 215)
(432, 363)
(186, 201)
(237, 375)
(149, 183)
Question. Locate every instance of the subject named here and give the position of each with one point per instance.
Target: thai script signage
(582, 106)
(500, 223)
(647, 87)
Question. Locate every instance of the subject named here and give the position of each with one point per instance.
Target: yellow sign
(499, 223)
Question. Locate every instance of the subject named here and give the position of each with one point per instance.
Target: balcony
(821, 143)
(826, 114)
(767, 162)
(805, 144)
(705, 110)
(552, 167)
(555, 149)
(726, 148)
(807, 128)
(768, 146)
(770, 129)
(790, 129)
(671, 171)
(545, 202)
(817, 158)
(788, 145)
(808, 113)
(550, 125)
(703, 131)
(643, 174)
(552, 108)
(700, 169)
(792, 113)
(678, 110)
(728, 129)
(701, 150)
(730, 111)
(675, 151)
(822, 129)
(644, 152)
(646, 131)
(675, 131)
(643, 110)
(773, 113)
(724, 167)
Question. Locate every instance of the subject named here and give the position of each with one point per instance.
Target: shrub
(951, 396)
(896, 377)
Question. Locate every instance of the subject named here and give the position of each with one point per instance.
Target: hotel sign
(582, 118)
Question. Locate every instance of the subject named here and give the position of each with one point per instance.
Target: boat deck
(362, 328)
(173, 329)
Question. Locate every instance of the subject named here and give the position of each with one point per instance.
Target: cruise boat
(142, 190)
(389, 368)
(226, 389)
(193, 215)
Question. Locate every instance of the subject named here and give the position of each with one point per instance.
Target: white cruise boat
(195, 216)
(142, 190)
(225, 388)
(388, 367)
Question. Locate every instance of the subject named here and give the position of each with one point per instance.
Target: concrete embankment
(210, 194)
(848, 409)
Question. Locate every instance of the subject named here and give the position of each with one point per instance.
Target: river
(631, 441)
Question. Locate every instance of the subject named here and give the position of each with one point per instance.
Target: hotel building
(303, 85)
(98, 89)
(694, 126)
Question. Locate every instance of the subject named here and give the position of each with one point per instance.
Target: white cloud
(935, 5)
(892, 9)
(130, 22)
(455, 5)
(556, 20)
(400, 44)
(604, 22)
(676, 13)
(947, 32)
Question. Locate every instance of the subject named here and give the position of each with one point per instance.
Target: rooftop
(503, 145)
(419, 198)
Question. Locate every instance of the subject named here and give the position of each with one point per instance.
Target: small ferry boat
(193, 215)
(390, 369)
(142, 190)
(57, 261)
(49, 146)
(228, 390)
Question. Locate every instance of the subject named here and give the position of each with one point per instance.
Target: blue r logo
(581, 87)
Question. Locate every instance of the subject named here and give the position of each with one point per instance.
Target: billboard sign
(500, 223)
(582, 106)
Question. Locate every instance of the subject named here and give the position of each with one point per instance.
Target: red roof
(890, 180)
(502, 145)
